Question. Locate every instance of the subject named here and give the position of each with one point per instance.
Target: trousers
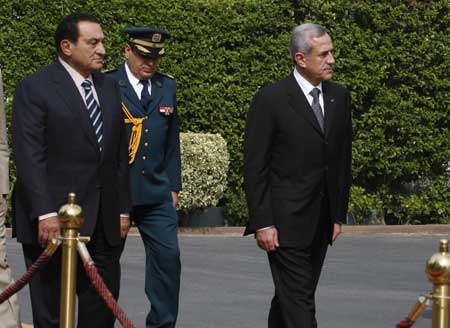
(158, 226)
(295, 273)
(45, 287)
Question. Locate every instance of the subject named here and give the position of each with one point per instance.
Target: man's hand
(48, 229)
(124, 226)
(175, 202)
(337, 230)
(267, 239)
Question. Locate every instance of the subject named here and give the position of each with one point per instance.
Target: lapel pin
(122, 83)
(331, 100)
(158, 83)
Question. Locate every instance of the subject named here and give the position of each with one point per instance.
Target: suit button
(144, 157)
(145, 144)
(143, 172)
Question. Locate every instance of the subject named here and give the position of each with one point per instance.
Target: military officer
(151, 119)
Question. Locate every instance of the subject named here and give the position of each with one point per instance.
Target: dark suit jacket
(289, 164)
(56, 152)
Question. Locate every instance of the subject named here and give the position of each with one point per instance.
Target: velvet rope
(35, 267)
(100, 286)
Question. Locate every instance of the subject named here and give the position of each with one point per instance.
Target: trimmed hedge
(393, 55)
(205, 161)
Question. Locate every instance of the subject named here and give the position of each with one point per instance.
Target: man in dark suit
(68, 136)
(151, 119)
(297, 170)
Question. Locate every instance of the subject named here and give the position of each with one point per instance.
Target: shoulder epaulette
(109, 71)
(167, 75)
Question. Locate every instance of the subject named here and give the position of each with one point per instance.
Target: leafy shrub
(393, 55)
(363, 207)
(205, 161)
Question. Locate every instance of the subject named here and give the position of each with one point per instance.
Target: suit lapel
(67, 90)
(299, 103)
(329, 106)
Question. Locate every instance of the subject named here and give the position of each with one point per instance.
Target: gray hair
(302, 34)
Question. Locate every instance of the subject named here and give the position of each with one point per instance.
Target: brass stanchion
(438, 272)
(71, 218)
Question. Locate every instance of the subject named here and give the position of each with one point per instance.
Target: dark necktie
(145, 96)
(316, 107)
(94, 111)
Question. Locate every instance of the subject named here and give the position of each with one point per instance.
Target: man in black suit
(68, 136)
(297, 172)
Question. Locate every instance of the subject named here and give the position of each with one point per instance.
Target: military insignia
(156, 37)
(166, 110)
(109, 71)
(166, 75)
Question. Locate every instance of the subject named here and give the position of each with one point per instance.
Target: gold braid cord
(136, 132)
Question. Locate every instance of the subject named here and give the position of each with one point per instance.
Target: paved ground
(369, 280)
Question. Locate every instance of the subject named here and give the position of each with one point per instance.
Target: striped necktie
(316, 107)
(94, 111)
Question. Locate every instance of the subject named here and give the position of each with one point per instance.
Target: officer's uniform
(155, 168)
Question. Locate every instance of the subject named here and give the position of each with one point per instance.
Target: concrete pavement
(369, 280)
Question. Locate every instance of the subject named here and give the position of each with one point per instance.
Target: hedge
(205, 161)
(393, 55)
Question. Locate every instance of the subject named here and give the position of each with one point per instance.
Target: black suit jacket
(56, 152)
(289, 164)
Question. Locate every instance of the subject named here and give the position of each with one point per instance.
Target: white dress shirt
(78, 79)
(307, 87)
(136, 83)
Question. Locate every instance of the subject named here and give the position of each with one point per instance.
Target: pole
(438, 271)
(441, 306)
(71, 218)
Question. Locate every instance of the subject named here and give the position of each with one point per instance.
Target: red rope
(405, 323)
(104, 292)
(19, 284)
(415, 312)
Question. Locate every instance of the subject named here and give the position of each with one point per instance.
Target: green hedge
(205, 162)
(393, 55)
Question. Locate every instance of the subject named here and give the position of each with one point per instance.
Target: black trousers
(295, 273)
(45, 286)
